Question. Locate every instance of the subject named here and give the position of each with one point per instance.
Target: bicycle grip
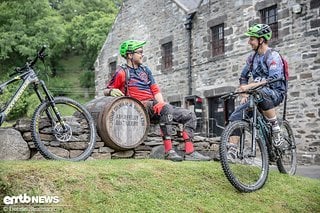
(41, 51)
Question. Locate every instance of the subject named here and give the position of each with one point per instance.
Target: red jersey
(141, 84)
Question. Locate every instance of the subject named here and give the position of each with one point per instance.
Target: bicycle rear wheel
(72, 138)
(249, 170)
(287, 163)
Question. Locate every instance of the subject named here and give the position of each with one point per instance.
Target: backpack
(126, 70)
(284, 62)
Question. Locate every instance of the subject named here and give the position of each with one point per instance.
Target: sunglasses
(139, 52)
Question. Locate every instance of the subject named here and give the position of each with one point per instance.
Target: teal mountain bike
(251, 141)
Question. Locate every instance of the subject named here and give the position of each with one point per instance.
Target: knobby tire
(239, 174)
(75, 143)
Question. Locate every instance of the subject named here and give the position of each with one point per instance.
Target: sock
(273, 121)
(188, 144)
(185, 136)
(167, 145)
(189, 147)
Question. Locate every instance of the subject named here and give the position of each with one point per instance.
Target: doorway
(219, 112)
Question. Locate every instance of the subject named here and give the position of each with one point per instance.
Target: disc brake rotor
(62, 134)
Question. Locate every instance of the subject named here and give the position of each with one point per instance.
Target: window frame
(217, 40)
(167, 55)
(269, 16)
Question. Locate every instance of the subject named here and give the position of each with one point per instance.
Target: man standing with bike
(262, 64)
(136, 80)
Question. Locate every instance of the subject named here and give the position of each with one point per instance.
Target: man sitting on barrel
(136, 80)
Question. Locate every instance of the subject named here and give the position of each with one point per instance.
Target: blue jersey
(260, 69)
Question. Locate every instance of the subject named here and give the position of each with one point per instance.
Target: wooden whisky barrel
(122, 122)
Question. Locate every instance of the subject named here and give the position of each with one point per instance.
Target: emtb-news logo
(26, 199)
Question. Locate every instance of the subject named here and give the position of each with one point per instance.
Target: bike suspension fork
(52, 104)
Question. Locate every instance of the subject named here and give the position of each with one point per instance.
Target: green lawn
(152, 186)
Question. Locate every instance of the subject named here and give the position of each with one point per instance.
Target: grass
(153, 186)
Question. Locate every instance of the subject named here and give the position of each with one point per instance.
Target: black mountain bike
(252, 140)
(61, 128)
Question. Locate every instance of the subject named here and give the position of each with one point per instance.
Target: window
(167, 55)
(217, 40)
(112, 68)
(269, 16)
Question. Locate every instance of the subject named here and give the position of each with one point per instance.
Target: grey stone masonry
(17, 144)
(164, 21)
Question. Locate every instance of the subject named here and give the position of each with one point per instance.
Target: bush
(87, 79)
(33, 102)
(20, 108)
(59, 86)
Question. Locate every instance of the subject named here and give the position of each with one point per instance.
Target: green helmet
(260, 31)
(130, 46)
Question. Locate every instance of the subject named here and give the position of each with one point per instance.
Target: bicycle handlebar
(268, 82)
(40, 55)
(251, 90)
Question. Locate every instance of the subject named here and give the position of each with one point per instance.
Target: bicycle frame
(27, 78)
(259, 129)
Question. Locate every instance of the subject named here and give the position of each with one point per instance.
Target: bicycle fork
(52, 104)
(253, 136)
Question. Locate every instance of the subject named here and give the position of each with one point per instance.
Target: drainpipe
(188, 26)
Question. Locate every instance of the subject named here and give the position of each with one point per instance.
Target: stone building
(197, 48)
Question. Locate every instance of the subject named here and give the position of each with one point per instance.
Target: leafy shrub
(20, 108)
(33, 102)
(59, 86)
(87, 79)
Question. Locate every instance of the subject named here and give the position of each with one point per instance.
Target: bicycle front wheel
(63, 132)
(245, 167)
(287, 163)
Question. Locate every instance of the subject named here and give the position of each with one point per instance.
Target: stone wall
(152, 147)
(162, 21)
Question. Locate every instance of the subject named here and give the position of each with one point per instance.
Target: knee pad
(166, 116)
(166, 130)
(266, 103)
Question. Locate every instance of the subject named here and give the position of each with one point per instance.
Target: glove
(116, 93)
(158, 107)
